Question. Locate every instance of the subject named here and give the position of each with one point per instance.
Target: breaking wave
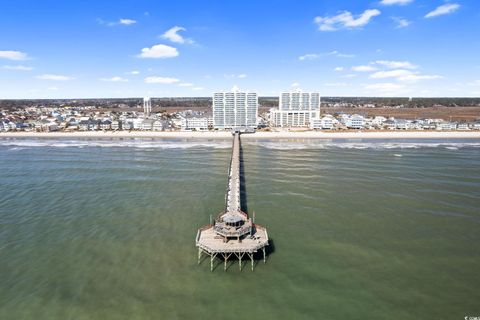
(278, 145)
(142, 144)
(20, 144)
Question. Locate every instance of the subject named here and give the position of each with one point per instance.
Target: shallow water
(104, 229)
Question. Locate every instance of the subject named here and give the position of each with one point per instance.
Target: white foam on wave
(19, 144)
(281, 145)
(141, 144)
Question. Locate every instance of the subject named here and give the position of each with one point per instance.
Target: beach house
(355, 121)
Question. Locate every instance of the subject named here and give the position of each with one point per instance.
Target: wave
(363, 145)
(159, 144)
(20, 144)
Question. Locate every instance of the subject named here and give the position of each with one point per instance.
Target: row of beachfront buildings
(300, 109)
(73, 119)
(230, 110)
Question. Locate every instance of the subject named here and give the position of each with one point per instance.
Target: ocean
(360, 229)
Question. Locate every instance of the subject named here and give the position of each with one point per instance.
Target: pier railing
(233, 191)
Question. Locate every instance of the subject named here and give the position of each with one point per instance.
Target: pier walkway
(232, 232)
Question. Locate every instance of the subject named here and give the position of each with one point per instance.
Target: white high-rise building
(234, 109)
(147, 106)
(296, 109)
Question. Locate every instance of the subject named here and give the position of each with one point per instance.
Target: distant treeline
(266, 102)
(406, 102)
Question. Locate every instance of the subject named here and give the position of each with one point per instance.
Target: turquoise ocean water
(360, 229)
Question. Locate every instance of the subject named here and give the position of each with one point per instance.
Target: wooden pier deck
(233, 232)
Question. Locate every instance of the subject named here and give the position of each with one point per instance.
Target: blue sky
(82, 49)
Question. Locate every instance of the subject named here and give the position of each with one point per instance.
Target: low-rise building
(463, 126)
(116, 125)
(194, 123)
(356, 121)
(445, 126)
(378, 121)
(106, 125)
(402, 124)
(159, 125)
(147, 124)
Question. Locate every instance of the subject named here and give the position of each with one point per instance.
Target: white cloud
(403, 75)
(474, 83)
(346, 20)
(295, 84)
(340, 55)
(350, 75)
(309, 56)
(396, 64)
(198, 89)
(134, 72)
(338, 69)
(385, 87)
(127, 22)
(392, 2)
(364, 68)
(418, 77)
(232, 76)
(443, 9)
(159, 51)
(18, 67)
(54, 77)
(401, 22)
(314, 56)
(162, 80)
(185, 84)
(13, 55)
(53, 88)
(391, 74)
(114, 79)
(124, 22)
(174, 36)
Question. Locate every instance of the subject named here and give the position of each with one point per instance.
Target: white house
(177, 122)
(378, 121)
(194, 123)
(116, 125)
(147, 124)
(159, 125)
(446, 126)
(356, 121)
(137, 123)
(402, 124)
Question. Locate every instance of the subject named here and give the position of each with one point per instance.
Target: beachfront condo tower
(234, 109)
(147, 106)
(296, 109)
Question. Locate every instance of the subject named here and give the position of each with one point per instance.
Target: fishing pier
(233, 233)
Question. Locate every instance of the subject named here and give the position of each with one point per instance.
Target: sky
(138, 48)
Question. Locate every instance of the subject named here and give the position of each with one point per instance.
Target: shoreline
(258, 135)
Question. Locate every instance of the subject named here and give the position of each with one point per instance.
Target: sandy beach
(257, 135)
